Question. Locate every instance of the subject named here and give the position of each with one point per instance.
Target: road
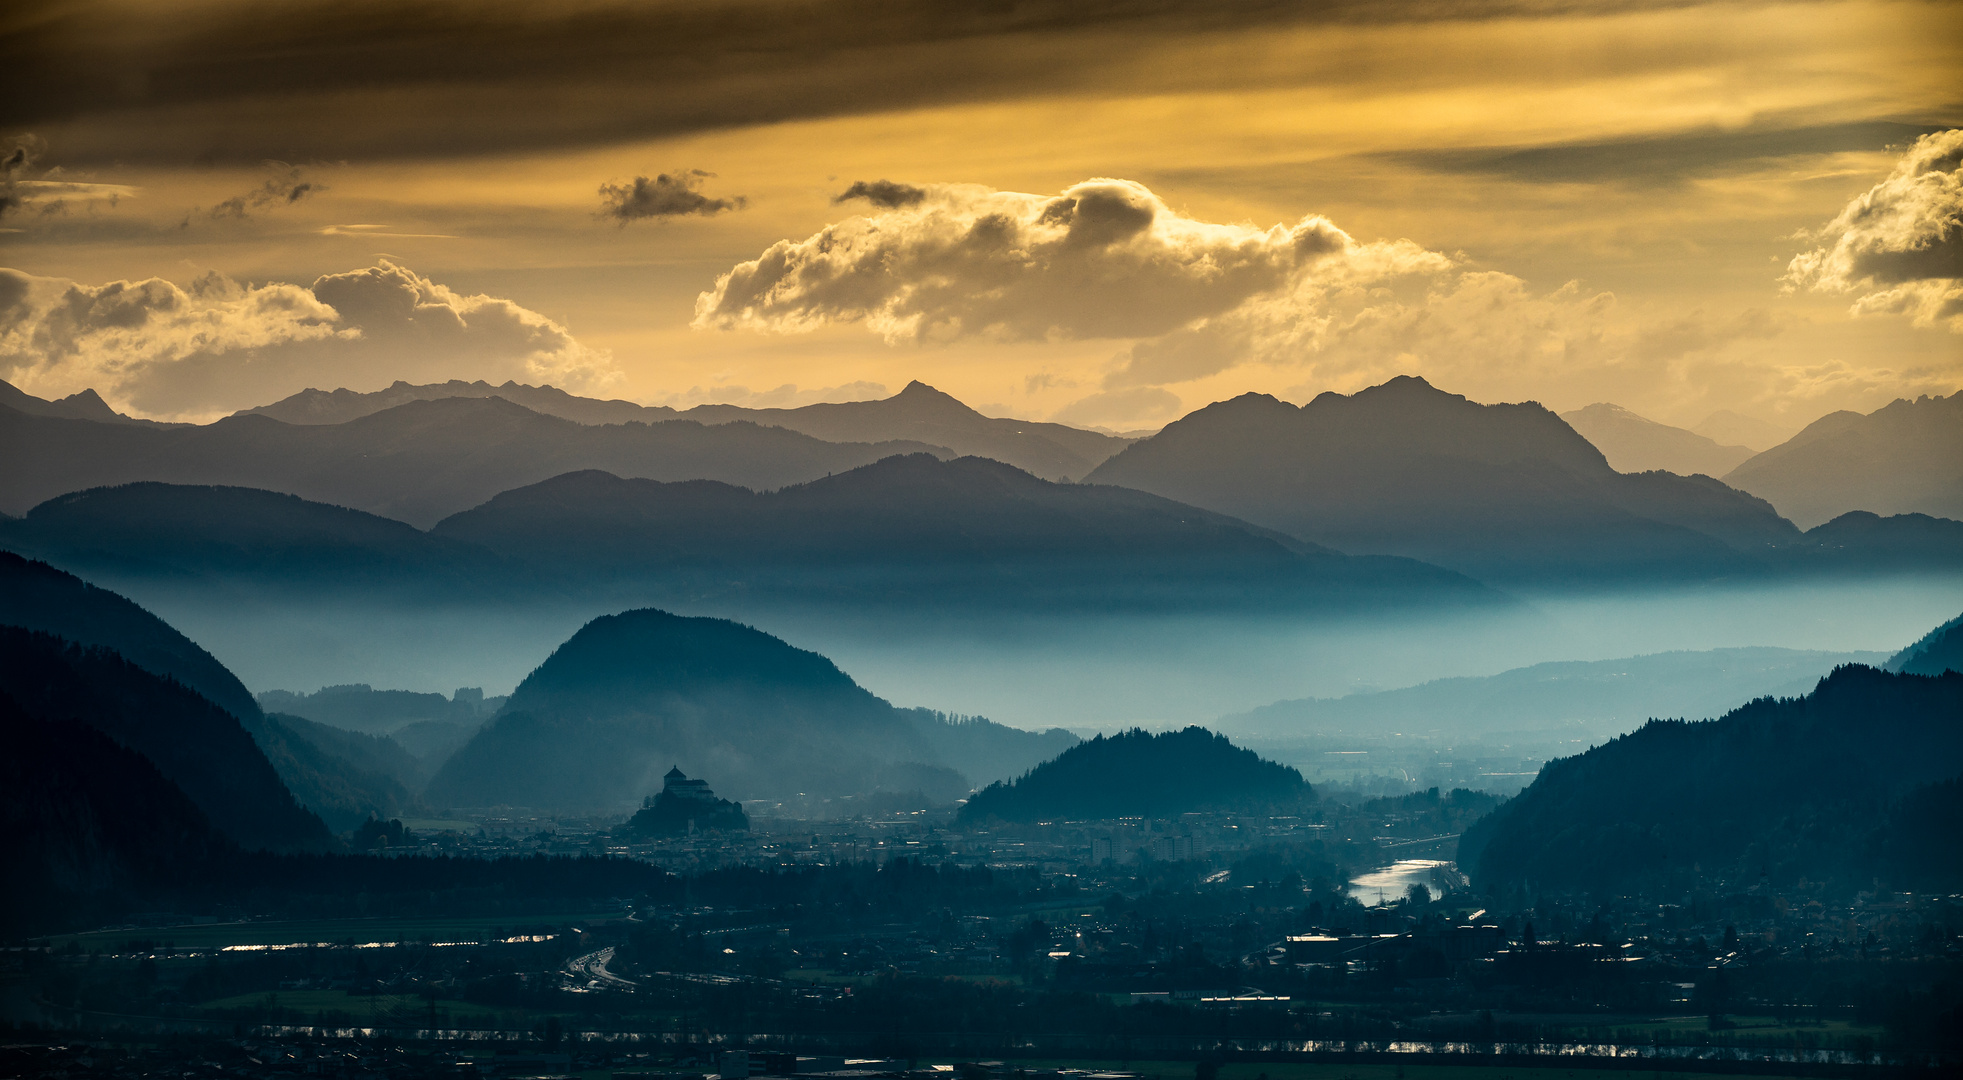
(591, 970)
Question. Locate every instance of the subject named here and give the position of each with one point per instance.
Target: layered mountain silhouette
(193, 743)
(1572, 699)
(919, 414)
(272, 541)
(632, 695)
(1139, 774)
(1506, 493)
(1906, 457)
(1635, 444)
(104, 633)
(1844, 784)
(86, 405)
(916, 530)
(417, 462)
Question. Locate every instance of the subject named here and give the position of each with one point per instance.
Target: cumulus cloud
(1104, 259)
(665, 196)
(284, 185)
(215, 345)
(1901, 243)
(16, 160)
(882, 193)
(1189, 299)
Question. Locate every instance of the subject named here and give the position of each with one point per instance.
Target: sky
(1103, 213)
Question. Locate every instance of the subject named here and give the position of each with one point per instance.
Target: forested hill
(36, 596)
(1139, 774)
(1823, 787)
(1939, 651)
(196, 745)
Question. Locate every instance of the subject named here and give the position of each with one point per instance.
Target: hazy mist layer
(1081, 673)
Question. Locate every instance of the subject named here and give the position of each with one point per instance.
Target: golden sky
(1108, 213)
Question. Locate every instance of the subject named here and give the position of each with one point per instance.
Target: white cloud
(214, 346)
(1901, 242)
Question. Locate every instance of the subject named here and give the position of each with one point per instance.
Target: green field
(336, 931)
(361, 1008)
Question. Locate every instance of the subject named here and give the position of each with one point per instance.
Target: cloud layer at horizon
(214, 346)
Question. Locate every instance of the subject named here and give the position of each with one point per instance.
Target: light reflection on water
(1389, 883)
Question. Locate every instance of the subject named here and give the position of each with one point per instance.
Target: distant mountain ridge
(918, 413)
(1587, 698)
(1500, 492)
(1906, 457)
(417, 462)
(1634, 444)
(84, 405)
(915, 529)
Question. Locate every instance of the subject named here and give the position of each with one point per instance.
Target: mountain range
(919, 414)
(1508, 494)
(417, 462)
(917, 530)
(1634, 444)
(1904, 458)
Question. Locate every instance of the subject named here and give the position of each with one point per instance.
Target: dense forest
(1830, 786)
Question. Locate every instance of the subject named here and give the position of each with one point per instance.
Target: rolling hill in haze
(417, 462)
(1634, 444)
(632, 695)
(917, 530)
(1576, 698)
(1938, 651)
(919, 413)
(1504, 493)
(1846, 784)
(1906, 457)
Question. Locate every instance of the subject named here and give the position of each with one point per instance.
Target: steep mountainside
(344, 776)
(1939, 650)
(1904, 458)
(917, 530)
(1139, 774)
(195, 744)
(1776, 790)
(329, 775)
(1634, 444)
(632, 695)
(37, 596)
(919, 413)
(416, 462)
(1581, 698)
(1501, 492)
